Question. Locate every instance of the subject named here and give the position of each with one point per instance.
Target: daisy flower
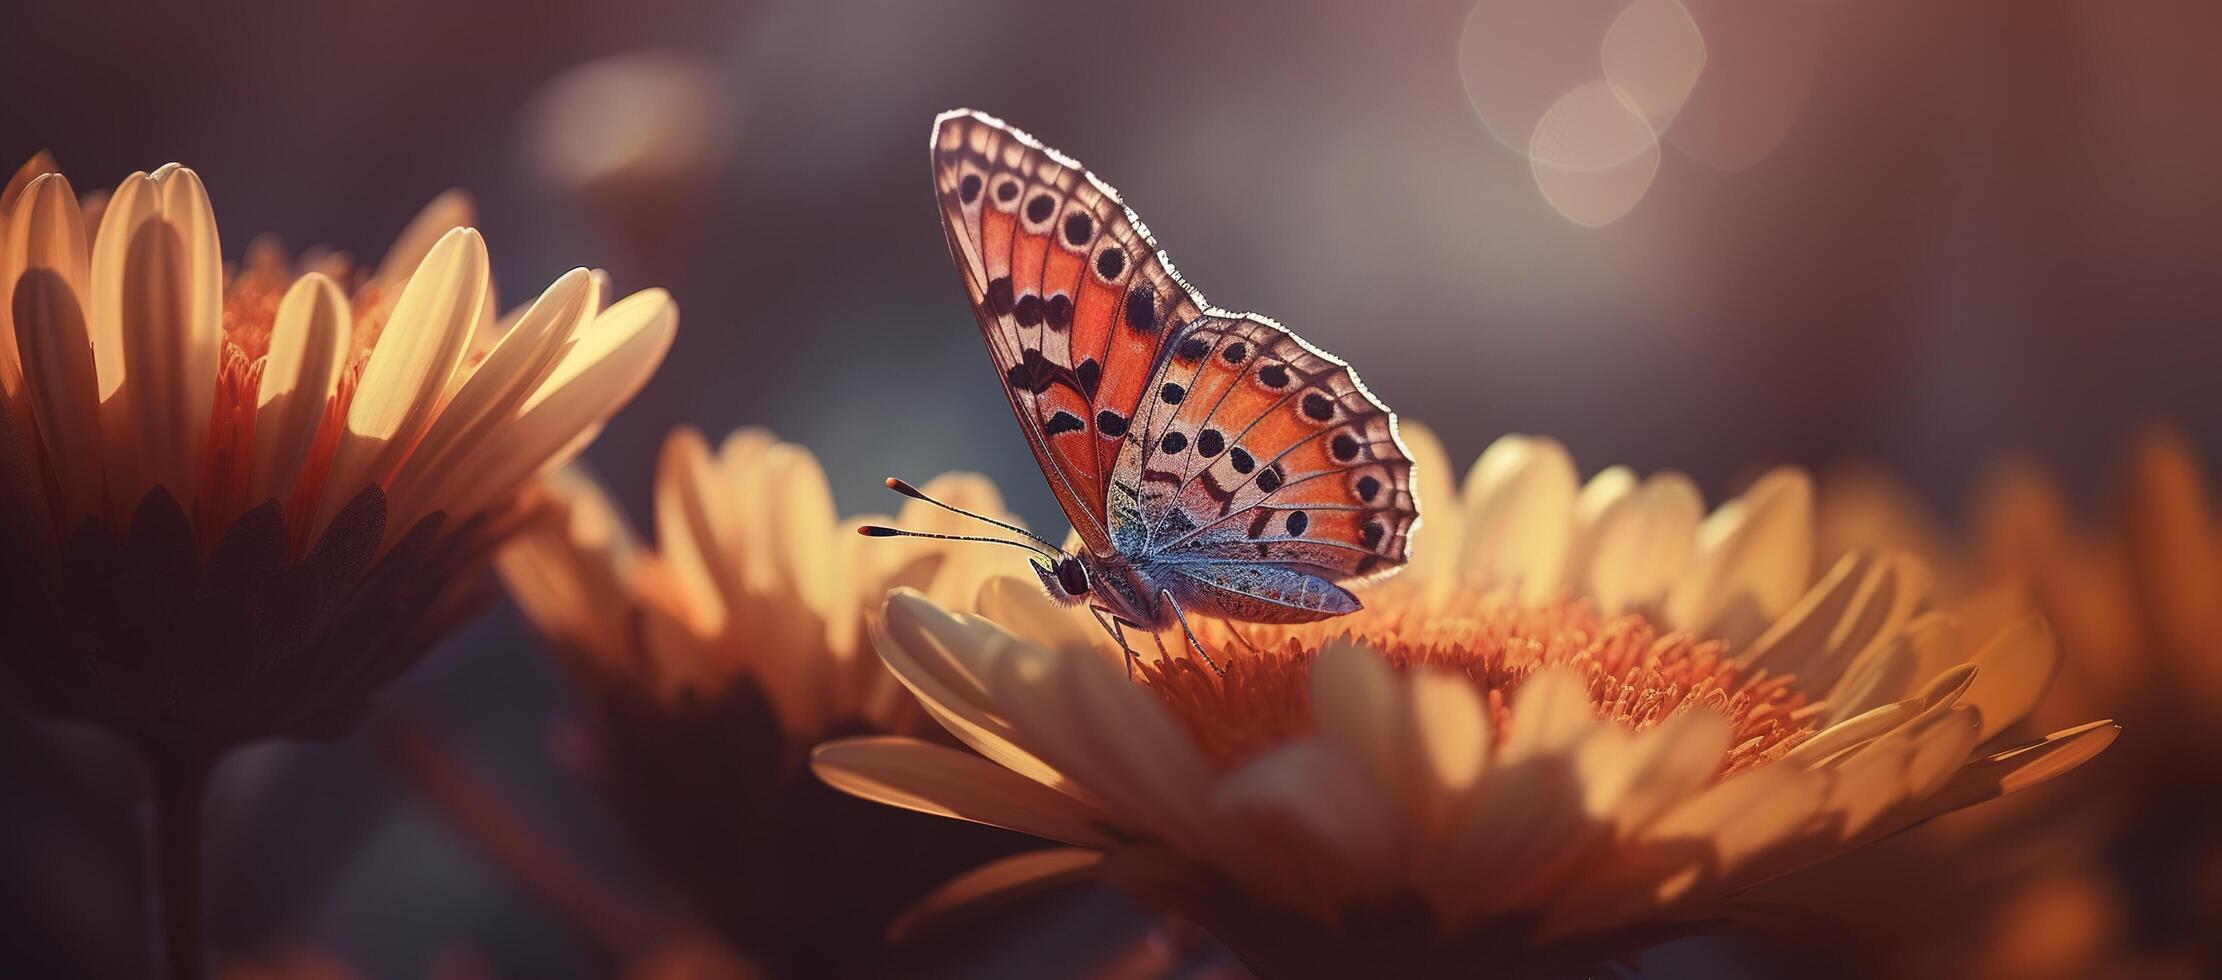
(712, 662)
(1581, 721)
(236, 501)
(2110, 873)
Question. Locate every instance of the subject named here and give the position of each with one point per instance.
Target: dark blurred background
(1927, 234)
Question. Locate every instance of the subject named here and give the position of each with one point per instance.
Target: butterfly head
(1065, 576)
(1066, 580)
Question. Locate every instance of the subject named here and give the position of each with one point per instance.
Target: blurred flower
(637, 138)
(1581, 720)
(237, 504)
(2110, 873)
(638, 119)
(713, 663)
(234, 503)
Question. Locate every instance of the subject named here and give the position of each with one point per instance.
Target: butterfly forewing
(1071, 295)
(1173, 433)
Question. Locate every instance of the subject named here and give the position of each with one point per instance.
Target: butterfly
(1210, 462)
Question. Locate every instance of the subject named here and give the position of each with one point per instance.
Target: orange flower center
(251, 301)
(1638, 674)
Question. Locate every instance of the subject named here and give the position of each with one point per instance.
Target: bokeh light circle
(1761, 59)
(1593, 155)
(1653, 54)
(1517, 57)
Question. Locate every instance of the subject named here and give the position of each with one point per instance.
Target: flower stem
(491, 823)
(180, 778)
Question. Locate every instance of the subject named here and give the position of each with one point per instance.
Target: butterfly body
(1143, 592)
(1210, 461)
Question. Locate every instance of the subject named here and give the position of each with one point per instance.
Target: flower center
(1638, 674)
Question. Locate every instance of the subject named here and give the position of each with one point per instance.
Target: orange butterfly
(1210, 461)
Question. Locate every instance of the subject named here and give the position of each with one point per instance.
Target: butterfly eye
(1072, 577)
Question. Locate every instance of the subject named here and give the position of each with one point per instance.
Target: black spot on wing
(1090, 375)
(1141, 308)
(1318, 407)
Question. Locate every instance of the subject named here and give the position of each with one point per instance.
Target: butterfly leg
(1244, 640)
(1116, 627)
(1182, 614)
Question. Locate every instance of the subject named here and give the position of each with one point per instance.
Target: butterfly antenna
(878, 531)
(916, 494)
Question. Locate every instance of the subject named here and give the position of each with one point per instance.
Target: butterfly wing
(1258, 448)
(1073, 297)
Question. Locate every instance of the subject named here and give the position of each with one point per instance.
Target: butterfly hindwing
(1071, 293)
(1258, 448)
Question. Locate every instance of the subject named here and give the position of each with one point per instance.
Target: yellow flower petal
(408, 371)
(51, 336)
(164, 361)
(613, 357)
(1004, 879)
(309, 346)
(2012, 672)
(1519, 502)
(1754, 559)
(1638, 541)
(43, 231)
(477, 412)
(915, 775)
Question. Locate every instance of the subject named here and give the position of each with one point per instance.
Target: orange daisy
(1581, 721)
(2111, 873)
(234, 502)
(713, 662)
